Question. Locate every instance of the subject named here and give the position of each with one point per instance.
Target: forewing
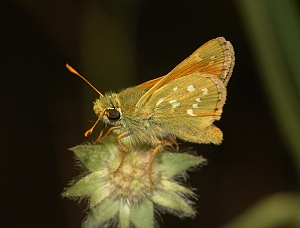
(216, 58)
(150, 83)
(187, 108)
(194, 95)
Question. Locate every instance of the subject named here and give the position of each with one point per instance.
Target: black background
(41, 115)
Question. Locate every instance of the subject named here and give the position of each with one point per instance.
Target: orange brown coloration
(183, 104)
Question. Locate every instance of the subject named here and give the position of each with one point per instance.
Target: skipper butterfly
(182, 104)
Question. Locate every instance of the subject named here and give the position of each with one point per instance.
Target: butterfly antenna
(79, 75)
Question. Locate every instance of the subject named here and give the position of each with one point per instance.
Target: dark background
(42, 111)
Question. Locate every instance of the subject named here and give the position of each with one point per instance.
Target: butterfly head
(107, 109)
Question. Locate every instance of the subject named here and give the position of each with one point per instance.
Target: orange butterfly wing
(215, 57)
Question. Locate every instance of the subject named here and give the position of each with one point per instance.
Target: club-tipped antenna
(84, 79)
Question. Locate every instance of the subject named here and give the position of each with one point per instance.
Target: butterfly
(182, 104)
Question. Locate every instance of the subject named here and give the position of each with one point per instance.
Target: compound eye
(113, 114)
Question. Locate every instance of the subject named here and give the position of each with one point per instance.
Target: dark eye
(113, 114)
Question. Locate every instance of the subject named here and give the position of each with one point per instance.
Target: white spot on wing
(198, 100)
(174, 103)
(159, 101)
(195, 106)
(175, 88)
(190, 112)
(190, 88)
(205, 91)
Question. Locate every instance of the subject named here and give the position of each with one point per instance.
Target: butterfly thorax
(137, 126)
(138, 121)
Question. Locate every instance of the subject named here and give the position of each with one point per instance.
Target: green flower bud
(122, 196)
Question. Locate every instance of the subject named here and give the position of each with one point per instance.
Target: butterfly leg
(88, 132)
(119, 137)
(154, 152)
(100, 137)
(102, 130)
(169, 141)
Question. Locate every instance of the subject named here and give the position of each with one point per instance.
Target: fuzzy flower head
(121, 196)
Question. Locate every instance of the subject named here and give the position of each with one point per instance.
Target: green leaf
(172, 201)
(143, 215)
(124, 215)
(92, 156)
(175, 163)
(86, 186)
(171, 186)
(102, 213)
(99, 195)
